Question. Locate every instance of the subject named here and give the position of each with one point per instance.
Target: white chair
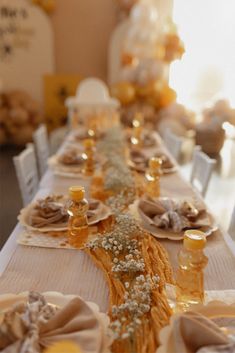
(231, 228)
(229, 236)
(202, 170)
(173, 143)
(56, 138)
(27, 174)
(40, 139)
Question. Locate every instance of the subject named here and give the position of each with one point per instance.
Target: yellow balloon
(144, 91)
(168, 96)
(63, 347)
(124, 92)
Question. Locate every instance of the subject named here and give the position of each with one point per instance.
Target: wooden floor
(10, 201)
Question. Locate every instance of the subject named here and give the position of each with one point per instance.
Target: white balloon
(128, 74)
(144, 12)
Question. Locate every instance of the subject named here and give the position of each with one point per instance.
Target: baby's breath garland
(118, 177)
(123, 243)
(135, 264)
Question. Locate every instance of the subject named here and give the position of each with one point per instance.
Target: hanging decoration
(147, 52)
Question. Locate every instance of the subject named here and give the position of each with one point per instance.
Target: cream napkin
(170, 215)
(48, 211)
(38, 325)
(192, 332)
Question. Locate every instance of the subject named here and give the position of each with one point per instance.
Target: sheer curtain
(207, 69)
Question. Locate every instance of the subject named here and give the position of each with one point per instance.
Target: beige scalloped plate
(23, 218)
(64, 170)
(71, 171)
(171, 170)
(166, 234)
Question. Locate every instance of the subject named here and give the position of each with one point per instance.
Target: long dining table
(70, 271)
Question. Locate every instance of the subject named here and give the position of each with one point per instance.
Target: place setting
(45, 221)
(83, 132)
(168, 218)
(140, 137)
(34, 321)
(76, 161)
(139, 161)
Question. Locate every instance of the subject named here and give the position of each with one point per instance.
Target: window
(207, 69)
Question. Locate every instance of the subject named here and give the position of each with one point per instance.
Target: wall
(82, 32)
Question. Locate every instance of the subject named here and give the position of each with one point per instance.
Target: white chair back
(40, 139)
(231, 228)
(56, 138)
(27, 174)
(173, 143)
(202, 170)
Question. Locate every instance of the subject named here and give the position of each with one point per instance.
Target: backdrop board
(26, 46)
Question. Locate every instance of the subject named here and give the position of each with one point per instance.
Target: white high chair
(92, 95)
(202, 170)
(27, 174)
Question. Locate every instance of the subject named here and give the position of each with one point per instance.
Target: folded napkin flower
(168, 214)
(139, 161)
(71, 157)
(192, 332)
(48, 211)
(31, 327)
(84, 134)
(166, 162)
(147, 138)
